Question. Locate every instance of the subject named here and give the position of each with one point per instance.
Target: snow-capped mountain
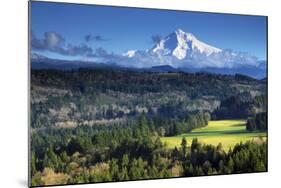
(181, 51)
(180, 45)
(185, 51)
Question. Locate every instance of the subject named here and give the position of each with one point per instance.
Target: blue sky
(118, 30)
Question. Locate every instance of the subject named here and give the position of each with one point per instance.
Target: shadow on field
(209, 133)
(238, 125)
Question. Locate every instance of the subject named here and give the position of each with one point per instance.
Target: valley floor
(226, 132)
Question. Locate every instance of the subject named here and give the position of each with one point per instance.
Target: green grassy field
(226, 132)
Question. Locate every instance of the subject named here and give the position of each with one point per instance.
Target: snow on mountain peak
(181, 45)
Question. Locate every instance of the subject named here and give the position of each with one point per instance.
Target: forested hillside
(90, 97)
(102, 125)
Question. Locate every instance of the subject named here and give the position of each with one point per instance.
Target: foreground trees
(98, 154)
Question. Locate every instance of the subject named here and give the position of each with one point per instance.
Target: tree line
(240, 106)
(258, 122)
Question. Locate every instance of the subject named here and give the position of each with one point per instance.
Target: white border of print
(14, 91)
